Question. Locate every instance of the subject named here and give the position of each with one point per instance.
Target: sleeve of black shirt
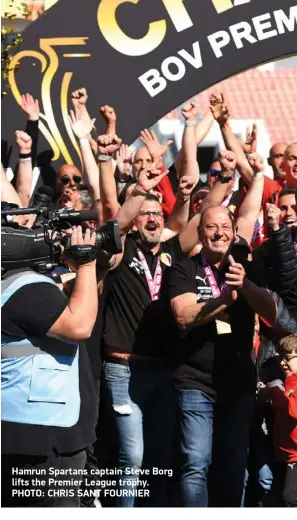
(32, 131)
(32, 310)
(182, 279)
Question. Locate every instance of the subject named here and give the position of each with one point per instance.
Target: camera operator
(48, 395)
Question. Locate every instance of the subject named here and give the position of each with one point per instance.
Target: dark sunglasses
(66, 179)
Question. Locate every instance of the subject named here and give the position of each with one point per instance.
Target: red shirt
(285, 420)
(168, 197)
(270, 194)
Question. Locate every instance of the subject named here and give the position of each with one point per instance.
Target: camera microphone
(76, 217)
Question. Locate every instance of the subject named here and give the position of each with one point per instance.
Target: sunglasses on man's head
(66, 179)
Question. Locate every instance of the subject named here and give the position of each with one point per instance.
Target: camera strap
(82, 254)
(153, 284)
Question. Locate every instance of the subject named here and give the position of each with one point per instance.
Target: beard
(150, 240)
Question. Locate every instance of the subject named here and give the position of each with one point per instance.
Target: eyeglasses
(214, 173)
(66, 179)
(287, 358)
(156, 214)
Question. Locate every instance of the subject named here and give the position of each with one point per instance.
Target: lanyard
(216, 291)
(225, 202)
(153, 284)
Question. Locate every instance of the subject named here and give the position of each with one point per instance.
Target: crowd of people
(180, 353)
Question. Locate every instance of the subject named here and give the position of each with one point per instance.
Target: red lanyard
(216, 290)
(153, 284)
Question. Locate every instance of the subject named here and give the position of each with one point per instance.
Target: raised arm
(107, 146)
(251, 206)
(179, 217)
(284, 253)
(30, 106)
(201, 130)
(221, 115)
(189, 237)
(24, 175)
(189, 145)
(82, 129)
(110, 117)
(8, 193)
(147, 180)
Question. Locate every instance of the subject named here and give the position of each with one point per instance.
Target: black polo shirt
(32, 310)
(206, 360)
(133, 322)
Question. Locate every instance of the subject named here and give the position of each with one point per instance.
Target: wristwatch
(224, 179)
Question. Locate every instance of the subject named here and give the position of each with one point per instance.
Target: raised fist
(227, 160)
(23, 141)
(108, 113)
(219, 109)
(272, 215)
(79, 97)
(190, 110)
(256, 162)
(108, 144)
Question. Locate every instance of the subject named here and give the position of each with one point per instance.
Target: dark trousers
(286, 479)
(33, 489)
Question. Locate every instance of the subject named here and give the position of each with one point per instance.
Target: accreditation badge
(223, 325)
(166, 259)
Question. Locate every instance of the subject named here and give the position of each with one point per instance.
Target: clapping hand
(235, 278)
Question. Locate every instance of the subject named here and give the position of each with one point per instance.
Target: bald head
(68, 176)
(142, 159)
(216, 232)
(290, 164)
(276, 160)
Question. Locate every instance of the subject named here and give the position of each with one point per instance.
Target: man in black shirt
(48, 393)
(214, 303)
(138, 381)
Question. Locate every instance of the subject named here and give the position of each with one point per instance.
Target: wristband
(192, 122)
(25, 155)
(223, 179)
(27, 160)
(259, 175)
(135, 191)
(104, 158)
(83, 141)
(121, 184)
